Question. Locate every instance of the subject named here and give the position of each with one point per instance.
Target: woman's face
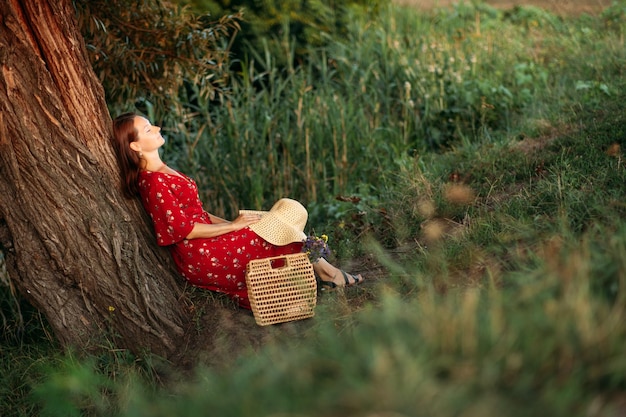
(148, 137)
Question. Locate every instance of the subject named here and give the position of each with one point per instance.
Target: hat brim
(273, 230)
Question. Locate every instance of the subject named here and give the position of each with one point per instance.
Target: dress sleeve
(171, 223)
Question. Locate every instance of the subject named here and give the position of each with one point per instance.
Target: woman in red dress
(209, 252)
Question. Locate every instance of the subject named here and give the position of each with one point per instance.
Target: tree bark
(74, 247)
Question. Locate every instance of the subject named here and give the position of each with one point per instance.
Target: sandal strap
(345, 277)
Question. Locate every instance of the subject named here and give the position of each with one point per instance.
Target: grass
(393, 95)
(489, 218)
(566, 8)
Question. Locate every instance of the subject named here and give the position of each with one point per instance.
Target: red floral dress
(217, 263)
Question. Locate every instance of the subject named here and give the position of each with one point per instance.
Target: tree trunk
(74, 247)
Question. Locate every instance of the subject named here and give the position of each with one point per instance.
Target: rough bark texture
(77, 250)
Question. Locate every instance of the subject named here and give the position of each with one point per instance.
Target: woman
(209, 252)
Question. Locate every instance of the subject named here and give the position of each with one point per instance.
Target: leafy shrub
(148, 50)
(531, 17)
(614, 16)
(275, 24)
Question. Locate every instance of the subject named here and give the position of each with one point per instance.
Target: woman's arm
(217, 220)
(202, 230)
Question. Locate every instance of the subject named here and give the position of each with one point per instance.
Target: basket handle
(272, 262)
(287, 259)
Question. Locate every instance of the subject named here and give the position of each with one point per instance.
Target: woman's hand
(201, 230)
(245, 220)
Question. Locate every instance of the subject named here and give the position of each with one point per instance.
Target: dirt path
(561, 7)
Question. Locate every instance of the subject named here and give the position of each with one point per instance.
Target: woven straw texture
(283, 224)
(281, 289)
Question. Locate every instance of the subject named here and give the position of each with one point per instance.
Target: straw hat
(283, 224)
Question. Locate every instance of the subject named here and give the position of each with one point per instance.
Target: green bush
(279, 24)
(150, 50)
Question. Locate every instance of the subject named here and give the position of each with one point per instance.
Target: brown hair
(125, 133)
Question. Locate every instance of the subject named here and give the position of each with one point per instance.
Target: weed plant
(479, 159)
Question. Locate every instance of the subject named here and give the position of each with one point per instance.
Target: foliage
(457, 77)
(148, 50)
(614, 16)
(502, 289)
(551, 344)
(276, 24)
(393, 95)
(25, 341)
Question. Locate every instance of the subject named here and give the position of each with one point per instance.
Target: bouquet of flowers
(316, 247)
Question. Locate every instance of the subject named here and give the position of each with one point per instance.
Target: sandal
(354, 277)
(330, 285)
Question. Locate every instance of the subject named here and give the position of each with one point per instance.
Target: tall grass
(482, 152)
(405, 83)
(552, 345)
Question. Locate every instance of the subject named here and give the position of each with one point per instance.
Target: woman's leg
(333, 276)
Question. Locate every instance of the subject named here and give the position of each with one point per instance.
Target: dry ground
(561, 7)
(220, 331)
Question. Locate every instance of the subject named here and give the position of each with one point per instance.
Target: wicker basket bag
(282, 288)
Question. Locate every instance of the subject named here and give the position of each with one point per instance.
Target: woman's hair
(125, 133)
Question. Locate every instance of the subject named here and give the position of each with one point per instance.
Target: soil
(220, 331)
